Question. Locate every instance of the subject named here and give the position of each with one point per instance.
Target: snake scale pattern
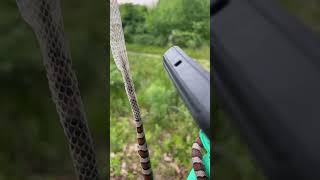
(120, 57)
(44, 17)
(197, 163)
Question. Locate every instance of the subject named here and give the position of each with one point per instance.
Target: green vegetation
(32, 142)
(180, 22)
(202, 52)
(169, 127)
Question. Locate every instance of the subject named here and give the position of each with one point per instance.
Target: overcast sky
(142, 2)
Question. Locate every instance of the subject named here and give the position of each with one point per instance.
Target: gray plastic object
(193, 84)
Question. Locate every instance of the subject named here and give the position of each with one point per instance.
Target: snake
(45, 18)
(197, 162)
(119, 53)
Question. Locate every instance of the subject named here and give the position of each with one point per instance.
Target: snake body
(142, 144)
(120, 57)
(197, 163)
(44, 16)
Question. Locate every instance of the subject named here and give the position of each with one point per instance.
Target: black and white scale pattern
(120, 57)
(44, 17)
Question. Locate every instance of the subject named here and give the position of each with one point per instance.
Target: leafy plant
(169, 128)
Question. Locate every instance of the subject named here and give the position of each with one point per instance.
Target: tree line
(180, 22)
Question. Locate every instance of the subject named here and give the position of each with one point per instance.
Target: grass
(202, 52)
(169, 128)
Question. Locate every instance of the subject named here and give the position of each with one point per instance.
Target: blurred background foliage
(232, 158)
(33, 145)
(169, 127)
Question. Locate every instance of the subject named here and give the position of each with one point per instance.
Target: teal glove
(205, 159)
